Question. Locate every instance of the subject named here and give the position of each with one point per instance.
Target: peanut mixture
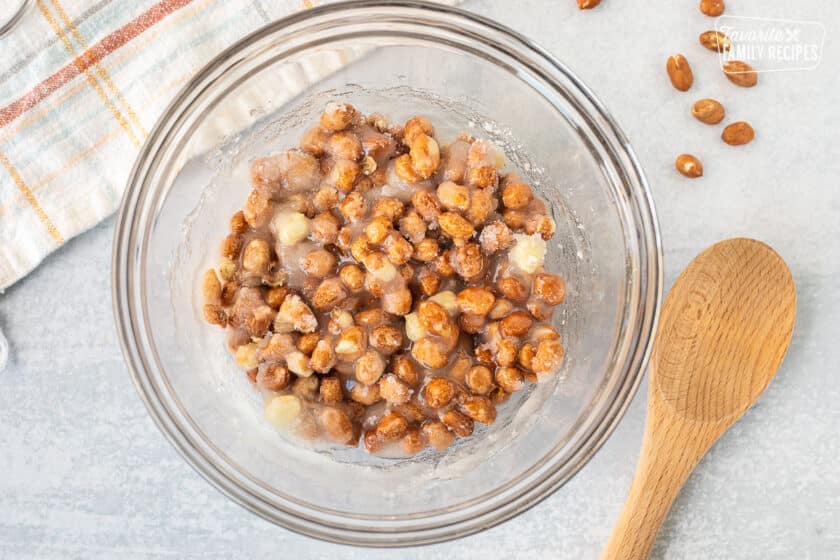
(380, 287)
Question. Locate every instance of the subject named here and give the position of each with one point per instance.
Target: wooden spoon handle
(671, 449)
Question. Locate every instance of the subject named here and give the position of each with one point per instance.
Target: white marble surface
(86, 474)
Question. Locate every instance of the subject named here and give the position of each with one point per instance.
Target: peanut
(479, 409)
(689, 166)
(738, 133)
(740, 73)
(679, 72)
(477, 301)
(369, 367)
(438, 435)
(438, 392)
(708, 111)
(509, 379)
(715, 41)
(480, 380)
(429, 353)
(458, 422)
(517, 323)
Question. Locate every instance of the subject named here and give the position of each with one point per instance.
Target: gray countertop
(87, 474)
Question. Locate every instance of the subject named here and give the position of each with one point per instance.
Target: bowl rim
(635, 363)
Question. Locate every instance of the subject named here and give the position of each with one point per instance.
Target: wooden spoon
(723, 332)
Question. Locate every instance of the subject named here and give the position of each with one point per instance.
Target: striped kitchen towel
(81, 84)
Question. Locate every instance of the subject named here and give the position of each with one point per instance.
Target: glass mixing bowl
(399, 58)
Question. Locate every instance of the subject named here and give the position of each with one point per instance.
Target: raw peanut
(514, 219)
(411, 411)
(211, 288)
(329, 294)
(542, 224)
(427, 204)
(404, 169)
(393, 390)
(689, 166)
(538, 309)
(679, 72)
(314, 141)
(712, 8)
(471, 324)
(371, 442)
(257, 210)
(455, 225)
(438, 392)
(214, 314)
(306, 387)
(344, 145)
(517, 323)
(477, 301)
(512, 288)
(715, 41)
(412, 442)
(323, 357)
(506, 352)
(526, 355)
(372, 317)
(426, 250)
(501, 308)
(227, 269)
(482, 204)
(238, 224)
(340, 320)
(738, 133)
(399, 250)
(415, 126)
(429, 281)
(495, 237)
(353, 207)
(480, 380)
(740, 73)
(377, 230)
(550, 287)
(344, 174)
(708, 111)
(336, 424)
(351, 344)
(413, 227)
(453, 196)
(278, 347)
(425, 155)
(369, 367)
(397, 302)
(330, 391)
(587, 4)
(390, 208)
(298, 363)
(443, 264)
(386, 338)
(438, 435)
(404, 369)
(468, 261)
(337, 116)
(231, 246)
(318, 263)
(479, 409)
(484, 355)
(273, 377)
(352, 276)
(325, 227)
(458, 422)
(483, 176)
(295, 315)
(365, 394)
(516, 195)
(260, 319)
(391, 427)
(548, 357)
(509, 379)
(307, 342)
(434, 318)
(545, 332)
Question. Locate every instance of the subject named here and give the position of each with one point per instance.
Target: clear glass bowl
(400, 58)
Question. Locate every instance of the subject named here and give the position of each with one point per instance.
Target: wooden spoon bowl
(723, 333)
